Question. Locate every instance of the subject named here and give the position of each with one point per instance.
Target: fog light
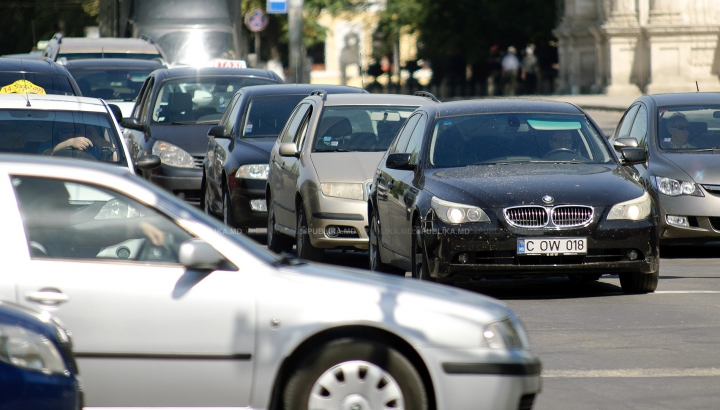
(181, 195)
(677, 221)
(463, 258)
(332, 231)
(632, 255)
(258, 205)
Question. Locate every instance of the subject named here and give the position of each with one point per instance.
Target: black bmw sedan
(511, 188)
(236, 162)
(172, 115)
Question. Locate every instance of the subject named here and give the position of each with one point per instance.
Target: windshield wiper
(713, 150)
(287, 259)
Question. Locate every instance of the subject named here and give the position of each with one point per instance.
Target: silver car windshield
(688, 129)
(515, 138)
(359, 127)
(82, 135)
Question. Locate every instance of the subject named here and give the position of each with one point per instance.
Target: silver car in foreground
(167, 309)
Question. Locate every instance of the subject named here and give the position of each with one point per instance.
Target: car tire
(375, 261)
(375, 375)
(420, 269)
(305, 249)
(276, 241)
(638, 282)
(227, 212)
(206, 197)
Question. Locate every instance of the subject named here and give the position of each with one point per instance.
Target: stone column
(576, 47)
(623, 35)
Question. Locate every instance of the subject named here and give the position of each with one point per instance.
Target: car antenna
(697, 86)
(27, 99)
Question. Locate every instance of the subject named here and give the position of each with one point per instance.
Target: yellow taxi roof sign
(22, 87)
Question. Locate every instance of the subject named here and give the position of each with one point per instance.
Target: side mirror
(197, 254)
(399, 161)
(632, 155)
(289, 149)
(146, 164)
(620, 143)
(218, 131)
(131, 123)
(117, 112)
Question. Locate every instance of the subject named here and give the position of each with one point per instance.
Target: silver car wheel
(356, 385)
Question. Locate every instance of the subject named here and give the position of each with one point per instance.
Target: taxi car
(172, 115)
(322, 165)
(511, 188)
(680, 134)
(167, 309)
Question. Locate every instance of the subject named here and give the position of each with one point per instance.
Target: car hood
(192, 138)
(346, 166)
(261, 145)
(499, 186)
(701, 167)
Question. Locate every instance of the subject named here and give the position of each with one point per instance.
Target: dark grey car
(681, 135)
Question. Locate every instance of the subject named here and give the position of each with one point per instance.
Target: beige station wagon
(322, 165)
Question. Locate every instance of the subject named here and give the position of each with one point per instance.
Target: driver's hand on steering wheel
(155, 235)
(80, 143)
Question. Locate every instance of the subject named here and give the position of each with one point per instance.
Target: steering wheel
(74, 153)
(560, 151)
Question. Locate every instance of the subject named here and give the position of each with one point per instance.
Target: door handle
(47, 297)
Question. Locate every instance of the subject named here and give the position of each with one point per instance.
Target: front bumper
(184, 183)
(702, 213)
(492, 252)
(348, 217)
(242, 191)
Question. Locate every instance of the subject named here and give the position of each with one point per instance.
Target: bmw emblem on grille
(548, 199)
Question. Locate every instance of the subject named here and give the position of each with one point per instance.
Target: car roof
(51, 102)
(177, 72)
(685, 98)
(110, 63)
(31, 66)
(282, 89)
(376, 99)
(69, 45)
(503, 105)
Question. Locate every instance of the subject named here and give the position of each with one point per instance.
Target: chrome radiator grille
(571, 215)
(527, 216)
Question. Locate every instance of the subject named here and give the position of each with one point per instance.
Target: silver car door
(146, 331)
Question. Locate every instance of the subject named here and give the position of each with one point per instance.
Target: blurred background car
(37, 366)
(187, 315)
(511, 188)
(238, 153)
(322, 164)
(680, 134)
(172, 115)
(115, 80)
(23, 76)
(62, 49)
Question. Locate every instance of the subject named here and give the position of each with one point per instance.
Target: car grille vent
(198, 162)
(527, 216)
(565, 216)
(713, 189)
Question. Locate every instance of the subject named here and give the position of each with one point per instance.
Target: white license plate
(551, 246)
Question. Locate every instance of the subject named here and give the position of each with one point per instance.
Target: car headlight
(173, 155)
(453, 213)
(254, 171)
(503, 335)
(114, 209)
(29, 350)
(635, 210)
(343, 190)
(673, 187)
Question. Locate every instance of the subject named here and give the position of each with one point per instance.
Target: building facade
(630, 47)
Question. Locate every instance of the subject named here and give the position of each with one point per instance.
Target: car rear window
(111, 84)
(34, 83)
(266, 116)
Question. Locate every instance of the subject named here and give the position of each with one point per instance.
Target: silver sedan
(169, 309)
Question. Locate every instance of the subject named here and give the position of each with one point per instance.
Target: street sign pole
(295, 34)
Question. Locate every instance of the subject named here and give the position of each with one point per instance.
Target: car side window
(147, 103)
(231, 119)
(142, 99)
(301, 135)
(640, 127)
(70, 220)
(623, 130)
(294, 123)
(416, 140)
(401, 140)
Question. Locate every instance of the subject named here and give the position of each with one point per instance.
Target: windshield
(111, 84)
(196, 47)
(359, 128)
(34, 83)
(266, 116)
(689, 128)
(82, 135)
(198, 100)
(490, 139)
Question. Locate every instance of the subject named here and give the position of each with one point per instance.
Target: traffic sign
(277, 6)
(256, 20)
